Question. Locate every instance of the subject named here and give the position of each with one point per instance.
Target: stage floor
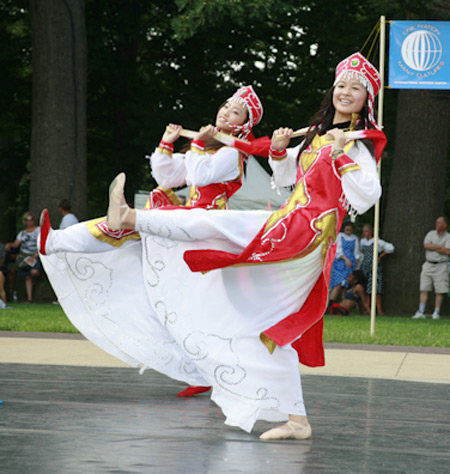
(67, 419)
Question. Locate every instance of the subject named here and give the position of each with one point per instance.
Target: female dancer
(213, 171)
(346, 260)
(217, 326)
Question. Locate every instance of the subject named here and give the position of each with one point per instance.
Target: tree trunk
(416, 191)
(58, 137)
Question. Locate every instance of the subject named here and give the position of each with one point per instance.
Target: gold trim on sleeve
(348, 167)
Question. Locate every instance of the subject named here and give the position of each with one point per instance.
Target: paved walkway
(421, 364)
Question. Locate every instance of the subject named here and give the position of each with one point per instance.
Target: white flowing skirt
(142, 304)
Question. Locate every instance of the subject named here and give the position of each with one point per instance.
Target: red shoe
(44, 222)
(191, 391)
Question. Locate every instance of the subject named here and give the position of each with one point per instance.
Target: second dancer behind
(213, 171)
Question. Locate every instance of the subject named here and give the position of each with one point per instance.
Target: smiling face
(349, 97)
(231, 112)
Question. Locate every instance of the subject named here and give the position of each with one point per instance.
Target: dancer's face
(349, 97)
(231, 112)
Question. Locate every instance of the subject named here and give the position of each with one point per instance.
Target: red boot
(191, 391)
(45, 230)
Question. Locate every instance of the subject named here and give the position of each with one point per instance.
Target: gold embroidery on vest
(299, 196)
(308, 158)
(169, 193)
(325, 224)
(220, 202)
(193, 195)
(327, 227)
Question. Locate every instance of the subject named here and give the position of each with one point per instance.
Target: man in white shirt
(69, 218)
(435, 268)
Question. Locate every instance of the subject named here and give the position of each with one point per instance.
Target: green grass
(35, 318)
(389, 330)
(355, 329)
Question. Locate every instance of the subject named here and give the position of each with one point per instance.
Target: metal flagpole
(376, 227)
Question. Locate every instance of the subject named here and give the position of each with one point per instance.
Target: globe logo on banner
(421, 50)
(419, 54)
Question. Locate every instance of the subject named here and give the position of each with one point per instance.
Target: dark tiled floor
(58, 419)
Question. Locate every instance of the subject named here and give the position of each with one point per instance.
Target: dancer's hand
(281, 138)
(172, 133)
(206, 133)
(338, 136)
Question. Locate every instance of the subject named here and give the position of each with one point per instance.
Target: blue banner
(419, 55)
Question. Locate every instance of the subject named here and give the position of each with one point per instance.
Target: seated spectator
(27, 261)
(346, 260)
(69, 218)
(356, 294)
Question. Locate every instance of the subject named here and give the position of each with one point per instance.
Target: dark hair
(360, 277)
(346, 224)
(64, 204)
(323, 119)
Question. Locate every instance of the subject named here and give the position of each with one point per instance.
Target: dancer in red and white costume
(213, 172)
(251, 297)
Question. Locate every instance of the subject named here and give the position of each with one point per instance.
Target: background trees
(58, 132)
(149, 63)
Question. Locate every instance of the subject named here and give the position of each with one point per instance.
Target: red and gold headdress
(248, 98)
(358, 67)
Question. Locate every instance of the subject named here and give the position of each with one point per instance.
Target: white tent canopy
(256, 191)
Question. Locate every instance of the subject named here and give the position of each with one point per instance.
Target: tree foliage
(151, 63)
(15, 106)
(177, 62)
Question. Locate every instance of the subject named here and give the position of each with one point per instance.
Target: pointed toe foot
(290, 430)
